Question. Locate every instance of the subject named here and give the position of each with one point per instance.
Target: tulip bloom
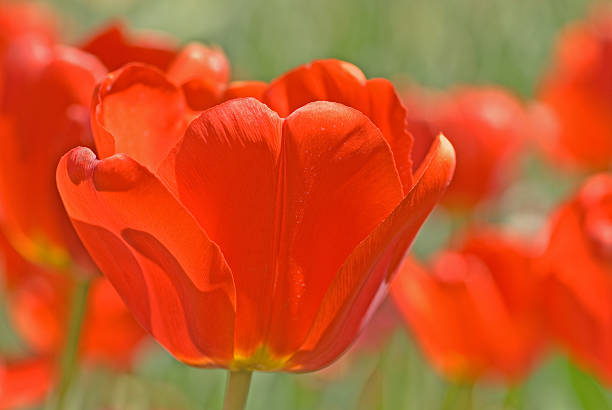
(38, 302)
(24, 383)
(43, 113)
(579, 274)
(487, 127)
(19, 19)
(578, 91)
(255, 237)
(474, 311)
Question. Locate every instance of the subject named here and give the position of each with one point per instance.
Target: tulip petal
(45, 99)
(113, 47)
(203, 74)
(388, 113)
(243, 89)
(197, 61)
(225, 171)
(25, 383)
(323, 80)
(342, 82)
(340, 182)
(362, 281)
(159, 260)
(137, 111)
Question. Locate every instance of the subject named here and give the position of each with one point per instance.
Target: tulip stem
(69, 356)
(458, 396)
(237, 391)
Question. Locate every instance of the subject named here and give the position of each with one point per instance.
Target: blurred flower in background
(475, 311)
(578, 91)
(488, 128)
(25, 383)
(44, 112)
(578, 268)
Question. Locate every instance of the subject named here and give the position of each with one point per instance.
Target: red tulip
(280, 224)
(19, 19)
(39, 307)
(488, 128)
(474, 310)
(24, 383)
(43, 113)
(578, 262)
(578, 91)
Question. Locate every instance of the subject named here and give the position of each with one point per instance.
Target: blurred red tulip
(43, 113)
(39, 308)
(19, 19)
(474, 311)
(578, 92)
(282, 227)
(578, 262)
(24, 383)
(488, 128)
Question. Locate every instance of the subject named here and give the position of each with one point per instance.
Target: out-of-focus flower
(488, 128)
(578, 92)
(474, 311)
(115, 47)
(25, 383)
(19, 19)
(38, 302)
(43, 113)
(578, 264)
(281, 224)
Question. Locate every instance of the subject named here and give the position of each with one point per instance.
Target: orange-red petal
(43, 114)
(225, 171)
(115, 48)
(243, 89)
(342, 82)
(197, 61)
(339, 183)
(363, 279)
(25, 383)
(168, 272)
(137, 111)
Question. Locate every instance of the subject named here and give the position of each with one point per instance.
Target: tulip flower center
(261, 360)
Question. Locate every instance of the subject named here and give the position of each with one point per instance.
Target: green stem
(69, 357)
(514, 398)
(458, 397)
(237, 391)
